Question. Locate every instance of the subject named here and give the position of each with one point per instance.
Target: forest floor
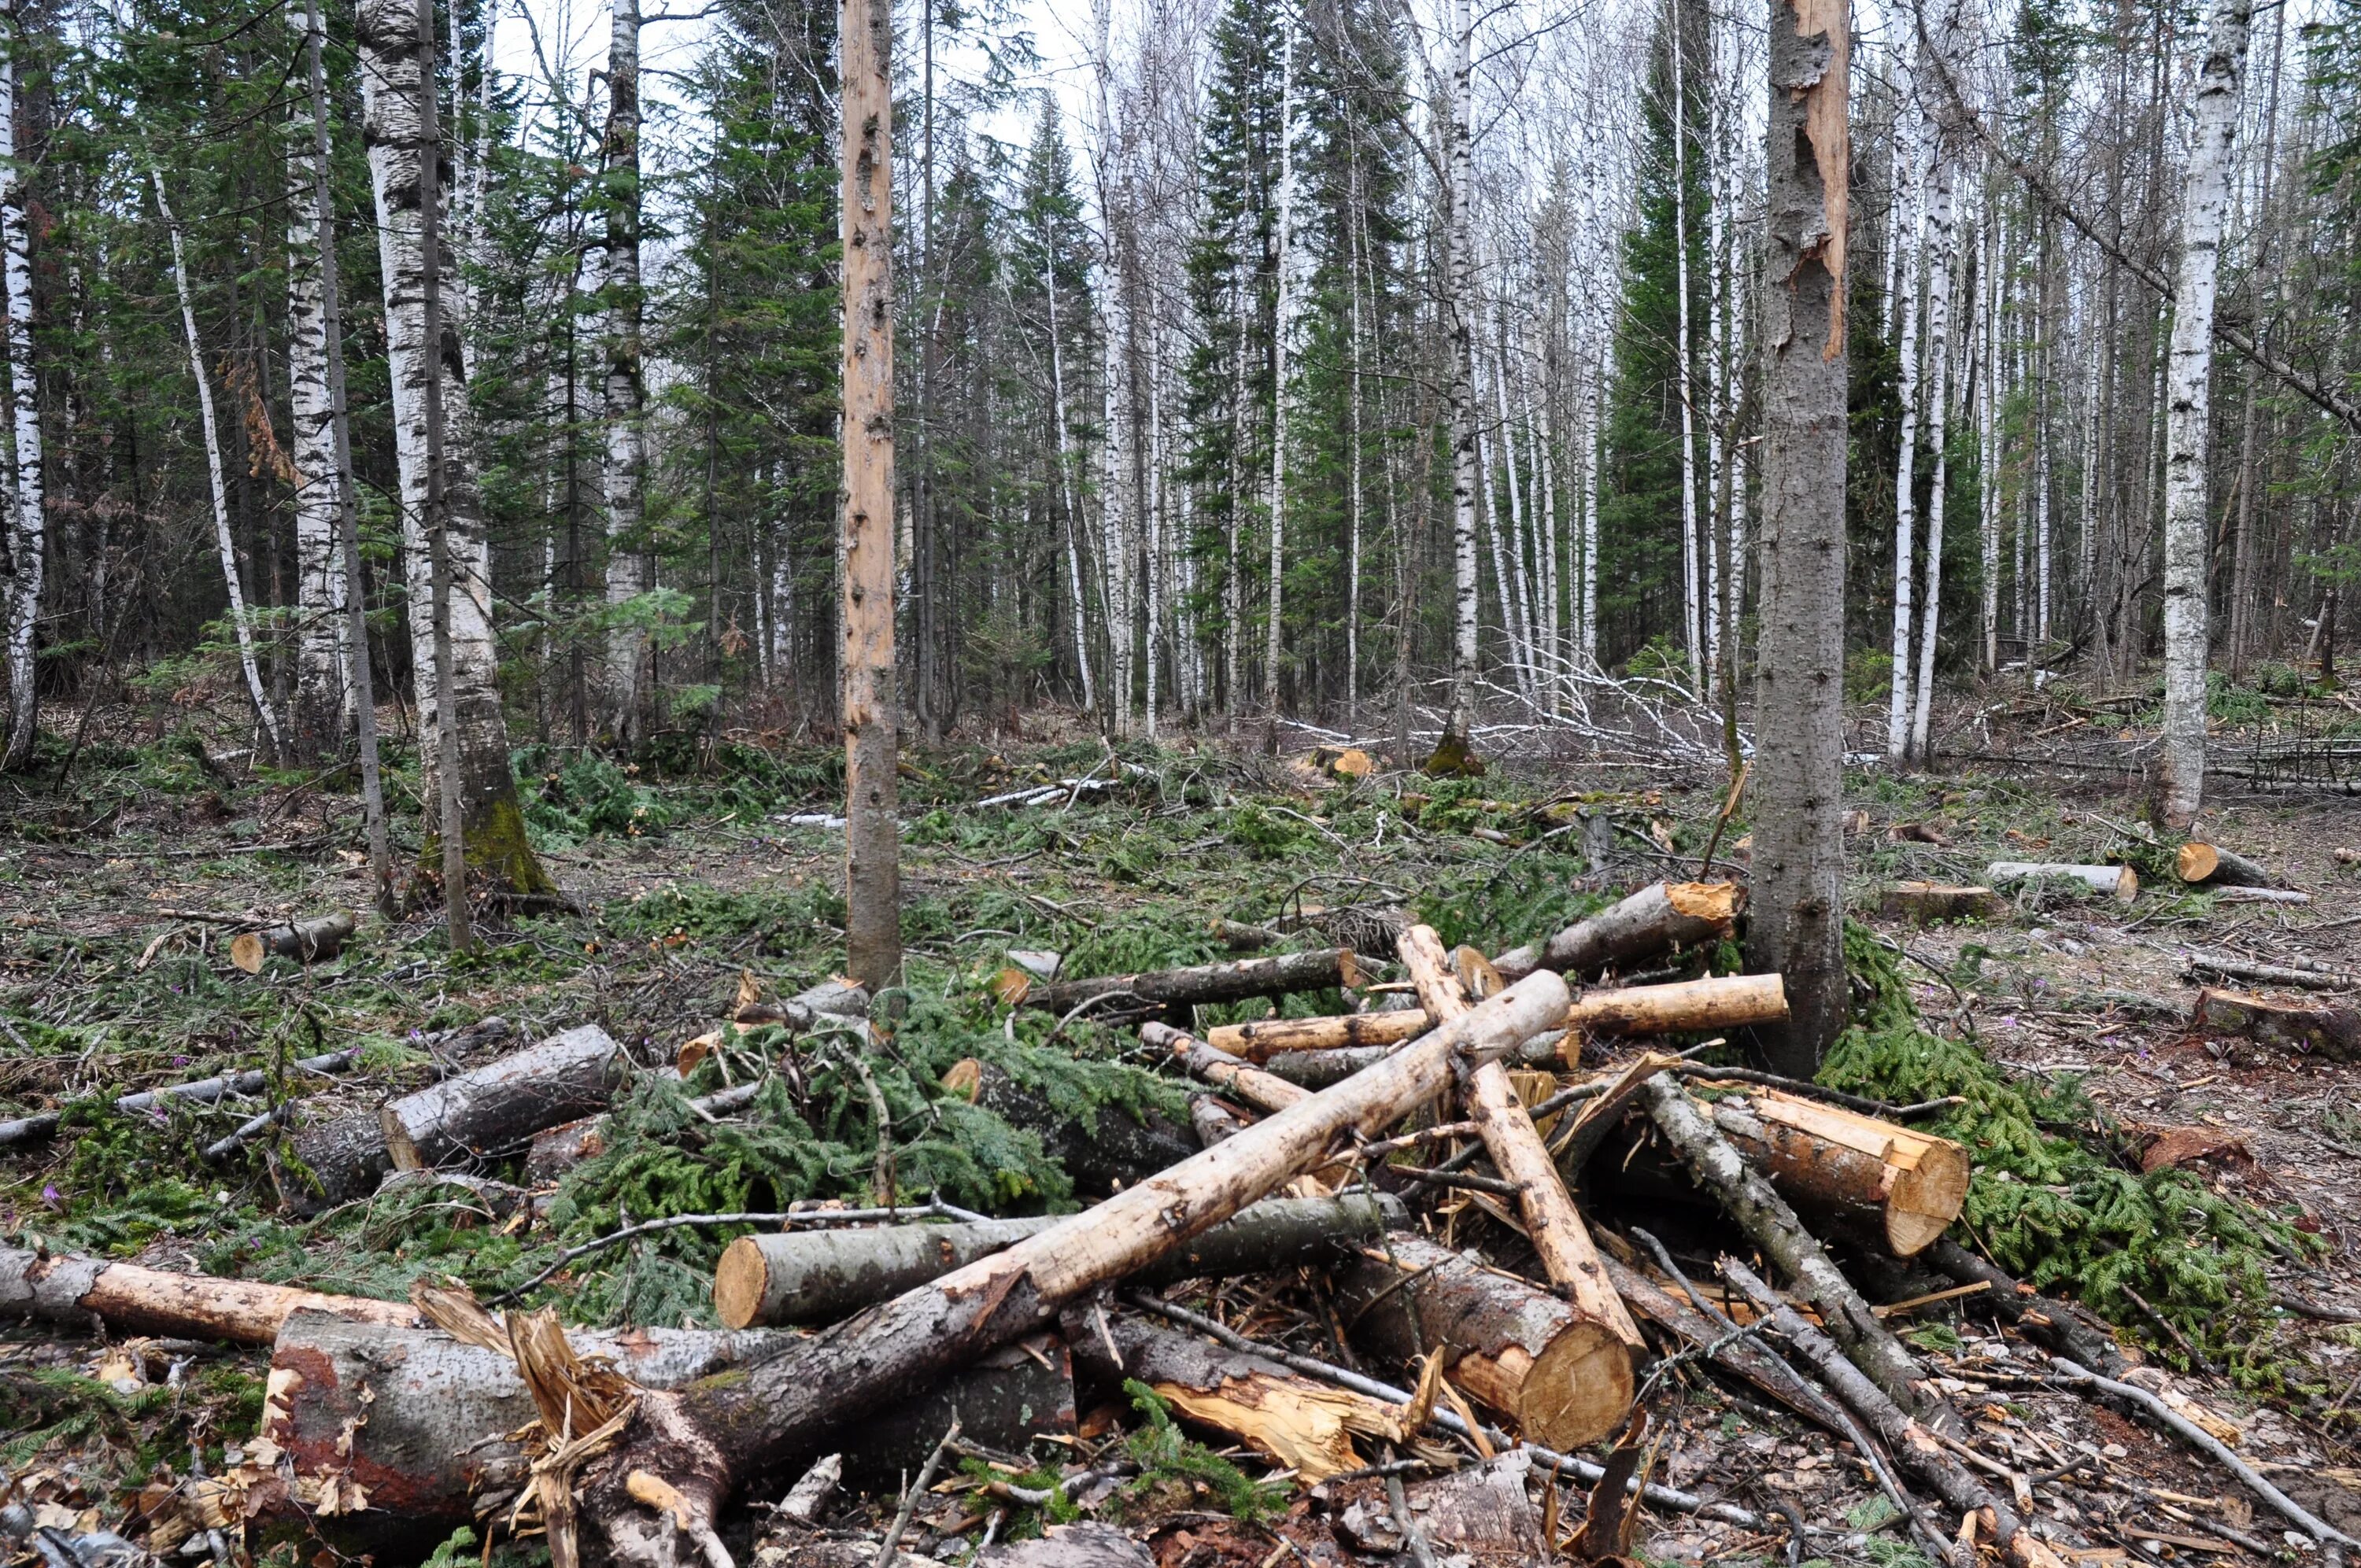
(118, 891)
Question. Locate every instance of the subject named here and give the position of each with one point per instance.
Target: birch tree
(323, 697)
(1941, 233)
(1910, 161)
(628, 641)
(1453, 751)
(1282, 327)
(2205, 201)
(27, 530)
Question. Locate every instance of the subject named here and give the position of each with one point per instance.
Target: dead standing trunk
(492, 832)
(1797, 928)
(873, 874)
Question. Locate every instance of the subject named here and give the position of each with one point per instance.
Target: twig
(933, 1207)
(910, 1498)
(1729, 808)
(1421, 1552)
(1463, 1178)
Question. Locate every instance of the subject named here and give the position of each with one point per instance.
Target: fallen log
(1241, 980)
(2054, 1325)
(1911, 1184)
(494, 1108)
(1564, 1377)
(1114, 1150)
(829, 1001)
(1305, 1426)
(2198, 862)
(1924, 903)
(72, 1293)
(305, 941)
(1568, 1257)
(1716, 1001)
(2256, 895)
(2305, 974)
(2120, 882)
(1263, 1091)
(1214, 1119)
(2307, 1028)
(201, 1092)
(820, 1277)
(1677, 1319)
(706, 1441)
(1748, 1197)
(1666, 914)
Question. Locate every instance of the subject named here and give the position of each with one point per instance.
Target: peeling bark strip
(708, 1440)
(72, 1293)
(1796, 876)
(1662, 915)
(872, 705)
(1241, 980)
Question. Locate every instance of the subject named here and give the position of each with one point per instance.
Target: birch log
(2119, 882)
(1241, 980)
(72, 1293)
(707, 1441)
(1662, 916)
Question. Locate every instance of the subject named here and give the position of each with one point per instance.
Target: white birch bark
(1282, 330)
(227, 548)
(2206, 203)
(1353, 501)
(1719, 615)
(1457, 302)
(625, 464)
(1158, 545)
(322, 694)
(1692, 610)
(1941, 235)
(1516, 604)
(1068, 497)
(1905, 280)
(1593, 478)
(25, 502)
(1988, 477)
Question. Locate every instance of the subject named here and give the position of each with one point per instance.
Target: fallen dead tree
(1662, 916)
(1114, 1149)
(73, 1293)
(1241, 980)
(304, 941)
(2307, 1028)
(2304, 974)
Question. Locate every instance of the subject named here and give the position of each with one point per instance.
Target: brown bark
(1562, 1377)
(1241, 980)
(1552, 1226)
(1263, 1091)
(1910, 1183)
(1924, 903)
(1114, 1150)
(1664, 915)
(2308, 1028)
(2119, 882)
(2199, 862)
(1660, 1308)
(305, 941)
(707, 1440)
(1747, 1196)
(73, 1293)
(493, 1108)
(871, 705)
(822, 1276)
(1262, 1040)
(1305, 1426)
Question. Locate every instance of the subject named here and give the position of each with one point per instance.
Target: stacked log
(1666, 915)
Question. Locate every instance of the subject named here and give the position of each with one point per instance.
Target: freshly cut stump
(1564, 1378)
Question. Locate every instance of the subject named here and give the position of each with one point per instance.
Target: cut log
(1747, 1195)
(492, 1110)
(202, 1092)
(2308, 1028)
(706, 1440)
(1263, 1091)
(1004, 1399)
(1213, 1119)
(822, 1276)
(1114, 1150)
(808, 1009)
(1241, 980)
(1910, 1184)
(1568, 1257)
(1305, 1426)
(2307, 974)
(1241, 938)
(2213, 864)
(1666, 914)
(2256, 895)
(305, 941)
(75, 1293)
(1924, 903)
(2120, 882)
(1716, 1001)
(1562, 1377)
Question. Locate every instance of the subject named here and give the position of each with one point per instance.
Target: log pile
(1458, 1209)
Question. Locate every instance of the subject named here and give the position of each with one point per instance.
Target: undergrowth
(2054, 1201)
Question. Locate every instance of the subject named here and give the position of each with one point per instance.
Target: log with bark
(1908, 1183)
(73, 1293)
(1241, 980)
(1664, 915)
(1924, 903)
(1677, 1319)
(492, 1110)
(2119, 882)
(1564, 1378)
(2256, 895)
(2056, 1325)
(820, 1277)
(1305, 1426)
(1552, 1226)
(201, 1092)
(831, 1001)
(1263, 1091)
(2214, 865)
(706, 1441)
(2308, 1028)
(2306, 974)
(1114, 1149)
(305, 941)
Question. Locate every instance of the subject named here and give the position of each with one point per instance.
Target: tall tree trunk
(360, 680)
(1905, 465)
(323, 695)
(27, 531)
(872, 716)
(500, 859)
(1452, 751)
(225, 546)
(1988, 487)
(2205, 205)
(1941, 236)
(1068, 495)
(1693, 610)
(628, 642)
(1282, 324)
(1798, 923)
